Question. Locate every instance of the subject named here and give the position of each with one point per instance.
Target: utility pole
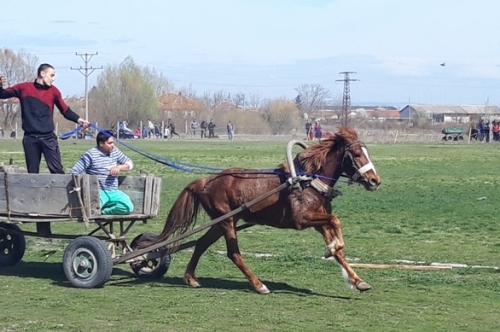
(86, 71)
(346, 97)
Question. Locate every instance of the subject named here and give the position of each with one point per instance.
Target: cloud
(45, 41)
(406, 66)
(63, 22)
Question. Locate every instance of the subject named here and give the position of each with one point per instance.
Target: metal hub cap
(84, 263)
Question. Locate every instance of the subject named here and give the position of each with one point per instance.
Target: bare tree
(255, 100)
(16, 67)
(218, 97)
(281, 115)
(312, 97)
(239, 99)
(159, 82)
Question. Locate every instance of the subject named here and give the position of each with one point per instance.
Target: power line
(346, 97)
(86, 57)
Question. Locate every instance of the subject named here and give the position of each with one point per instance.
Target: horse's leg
(332, 233)
(202, 244)
(233, 253)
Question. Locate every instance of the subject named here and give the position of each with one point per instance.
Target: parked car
(126, 133)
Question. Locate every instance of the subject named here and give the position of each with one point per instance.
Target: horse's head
(356, 164)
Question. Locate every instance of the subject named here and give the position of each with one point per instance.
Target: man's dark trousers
(35, 145)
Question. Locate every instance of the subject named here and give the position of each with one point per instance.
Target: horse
(306, 203)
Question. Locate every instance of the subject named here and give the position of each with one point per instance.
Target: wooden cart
(453, 134)
(47, 199)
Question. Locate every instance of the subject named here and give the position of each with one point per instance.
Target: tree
(17, 67)
(255, 100)
(125, 92)
(281, 115)
(311, 97)
(239, 99)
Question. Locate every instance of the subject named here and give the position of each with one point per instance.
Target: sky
(400, 51)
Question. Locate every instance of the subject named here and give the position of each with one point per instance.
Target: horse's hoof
(363, 286)
(192, 283)
(263, 290)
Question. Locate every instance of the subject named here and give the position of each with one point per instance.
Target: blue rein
(182, 166)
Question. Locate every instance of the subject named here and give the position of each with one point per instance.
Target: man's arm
(68, 112)
(14, 91)
(82, 164)
(124, 163)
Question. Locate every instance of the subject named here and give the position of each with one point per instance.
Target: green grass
(427, 209)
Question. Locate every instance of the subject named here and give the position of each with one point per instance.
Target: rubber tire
(12, 246)
(87, 249)
(449, 138)
(460, 138)
(159, 266)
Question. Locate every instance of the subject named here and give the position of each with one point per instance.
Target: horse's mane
(315, 155)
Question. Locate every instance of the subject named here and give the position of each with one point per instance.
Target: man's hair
(103, 136)
(42, 67)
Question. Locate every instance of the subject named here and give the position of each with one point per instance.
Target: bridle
(359, 171)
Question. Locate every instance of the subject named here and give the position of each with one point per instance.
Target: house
(450, 113)
(175, 102)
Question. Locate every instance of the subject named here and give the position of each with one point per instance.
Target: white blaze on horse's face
(365, 172)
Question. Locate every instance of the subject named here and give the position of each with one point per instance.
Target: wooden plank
(147, 194)
(155, 201)
(402, 267)
(134, 188)
(3, 194)
(137, 198)
(85, 192)
(95, 197)
(46, 194)
(131, 183)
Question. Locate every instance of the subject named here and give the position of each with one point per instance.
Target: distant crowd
(484, 128)
(153, 131)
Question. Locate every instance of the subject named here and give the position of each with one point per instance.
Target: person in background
(37, 101)
(230, 131)
(203, 127)
(309, 130)
(171, 126)
(107, 161)
(193, 125)
(318, 133)
(480, 128)
(137, 132)
(486, 131)
(496, 131)
(151, 128)
(166, 133)
(211, 129)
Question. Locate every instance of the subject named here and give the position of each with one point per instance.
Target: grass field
(437, 203)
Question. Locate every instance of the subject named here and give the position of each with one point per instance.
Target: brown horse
(305, 203)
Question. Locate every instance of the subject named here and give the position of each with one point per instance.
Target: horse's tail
(182, 215)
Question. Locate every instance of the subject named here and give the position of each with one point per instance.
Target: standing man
(107, 161)
(37, 101)
(194, 126)
(151, 128)
(211, 129)
(230, 131)
(203, 127)
(308, 128)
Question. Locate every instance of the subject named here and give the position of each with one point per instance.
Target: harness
(361, 170)
(329, 192)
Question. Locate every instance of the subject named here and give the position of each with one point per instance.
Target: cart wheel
(460, 137)
(12, 246)
(449, 138)
(152, 268)
(87, 262)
